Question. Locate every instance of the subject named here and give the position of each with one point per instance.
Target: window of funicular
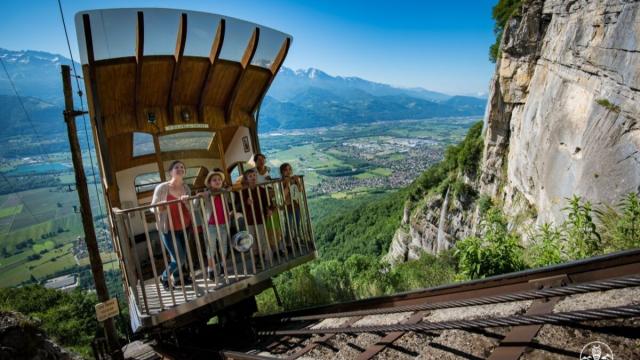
(186, 140)
(148, 182)
(142, 144)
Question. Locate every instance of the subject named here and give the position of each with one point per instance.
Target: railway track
(543, 313)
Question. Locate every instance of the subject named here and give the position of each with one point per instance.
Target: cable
(24, 108)
(84, 121)
(30, 121)
(561, 318)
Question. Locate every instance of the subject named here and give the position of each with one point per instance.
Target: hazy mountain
(290, 82)
(314, 107)
(297, 99)
(45, 117)
(470, 104)
(34, 73)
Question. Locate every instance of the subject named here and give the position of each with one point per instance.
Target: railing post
(164, 251)
(187, 248)
(244, 219)
(210, 245)
(152, 260)
(260, 188)
(132, 248)
(288, 223)
(177, 255)
(203, 265)
(306, 207)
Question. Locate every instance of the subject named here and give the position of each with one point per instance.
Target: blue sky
(437, 45)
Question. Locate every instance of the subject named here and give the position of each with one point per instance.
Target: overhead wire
(84, 120)
(30, 121)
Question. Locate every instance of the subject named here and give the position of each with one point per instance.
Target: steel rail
(562, 318)
(602, 285)
(627, 261)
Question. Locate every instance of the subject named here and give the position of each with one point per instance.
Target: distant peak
(311, 73)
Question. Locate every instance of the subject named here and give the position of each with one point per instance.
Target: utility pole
(85, 210)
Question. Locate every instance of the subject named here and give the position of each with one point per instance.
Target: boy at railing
(216, 218)
(292, 189)
(256, 207)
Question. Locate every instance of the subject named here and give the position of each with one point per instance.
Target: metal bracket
(515, 343)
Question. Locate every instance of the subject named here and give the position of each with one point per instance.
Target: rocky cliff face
(565, 107)
(562, 119)
(21, 338)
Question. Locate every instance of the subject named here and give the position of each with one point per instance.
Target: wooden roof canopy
(164, 70)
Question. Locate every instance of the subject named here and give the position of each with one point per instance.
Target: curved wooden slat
(249, 52)
(178, 53)
(94, 97)
(139, 57)
(214, 54)
(275, 67)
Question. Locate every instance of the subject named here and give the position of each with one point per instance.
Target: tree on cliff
(503, 10)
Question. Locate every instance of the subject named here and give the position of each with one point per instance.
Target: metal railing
(273, 213)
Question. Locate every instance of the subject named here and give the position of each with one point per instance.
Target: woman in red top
(170, 223)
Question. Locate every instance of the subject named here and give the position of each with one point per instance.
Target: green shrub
(547, 247)
(498, 251)
(463, 190)
(369, 276)
(621, 225)
(502, 12)
(298, 288)
(583, 239)
(428, 271)
(484, 203)
(608, 105)
(333, 280)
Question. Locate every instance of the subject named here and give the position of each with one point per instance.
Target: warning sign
(107, 309)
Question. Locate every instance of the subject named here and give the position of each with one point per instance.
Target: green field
(305, 160)
(39, 222)
(377, 172)
(10, 210)
(17, 269)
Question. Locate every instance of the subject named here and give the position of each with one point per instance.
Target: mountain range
(296, 99)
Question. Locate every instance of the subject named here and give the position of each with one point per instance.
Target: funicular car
(167, 85)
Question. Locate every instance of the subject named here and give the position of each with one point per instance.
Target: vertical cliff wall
(562, 119)
(564, 107)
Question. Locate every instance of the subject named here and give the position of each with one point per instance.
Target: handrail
(199, 248)
(118, 211)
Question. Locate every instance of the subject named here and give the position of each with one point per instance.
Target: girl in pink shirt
(216, 217)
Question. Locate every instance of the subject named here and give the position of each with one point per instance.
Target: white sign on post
(107, 309)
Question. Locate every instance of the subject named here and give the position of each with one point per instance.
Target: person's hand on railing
(249, 201)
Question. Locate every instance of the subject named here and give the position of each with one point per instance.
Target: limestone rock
(563, 119)
(547, 136)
